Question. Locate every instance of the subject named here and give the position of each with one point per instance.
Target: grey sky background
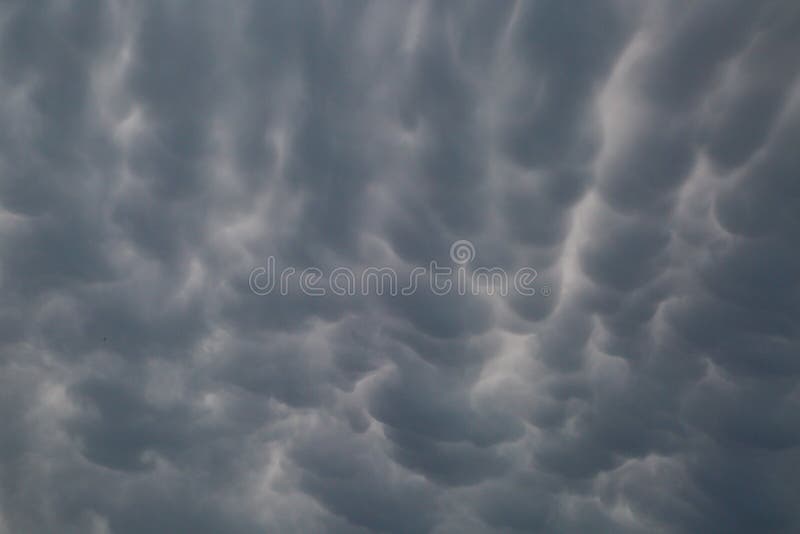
(641, 156)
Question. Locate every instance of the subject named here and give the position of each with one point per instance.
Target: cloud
(640, 157)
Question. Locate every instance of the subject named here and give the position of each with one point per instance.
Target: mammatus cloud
(640, 156)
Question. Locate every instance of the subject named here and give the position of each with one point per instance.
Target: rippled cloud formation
(641, 158)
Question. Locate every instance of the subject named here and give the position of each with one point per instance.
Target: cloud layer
(641, 156)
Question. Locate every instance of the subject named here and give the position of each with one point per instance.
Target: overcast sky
(642, 156)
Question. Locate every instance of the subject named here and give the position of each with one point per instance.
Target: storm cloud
(642, 157)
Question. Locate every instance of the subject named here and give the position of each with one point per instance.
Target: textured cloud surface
(641, 156)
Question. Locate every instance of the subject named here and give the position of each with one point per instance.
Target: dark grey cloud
(641, 156)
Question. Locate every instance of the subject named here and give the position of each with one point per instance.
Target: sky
(640, 156)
